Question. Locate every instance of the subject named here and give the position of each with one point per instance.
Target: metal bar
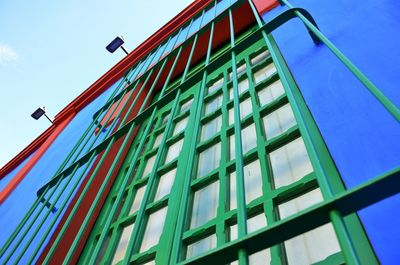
(121, 191)
(239, 164)
(374, 90)
(348, 202)
(110, 143)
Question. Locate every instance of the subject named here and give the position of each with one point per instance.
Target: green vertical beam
(241, 200)
(121, 191)
(327, 189)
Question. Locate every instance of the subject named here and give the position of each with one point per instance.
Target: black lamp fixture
(115, 44)
(39, 113)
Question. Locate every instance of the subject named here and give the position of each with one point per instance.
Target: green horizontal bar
(346, 203)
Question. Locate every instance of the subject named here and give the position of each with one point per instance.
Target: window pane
(158, 139)
(290, 163)
(252, 181)
(239, 70)
(314, 245)
(165, 119)
(216, 85)
(151, 262)
(180, 125)
(279, 121)
(149, 165)
(208, 16)
(201, 246)
(249, 138)
(173, 151)
(186, 106)
(138, 199)
(271, 92)
(264, 73)
(243, 86)
(231, 115)
(232, 149)
(123, 243)
(260, 258)
(232, 191)
(211, 128)
(205, 204)
(213, 105)
(154, 229)
(256, 222)
(165, 184)
(209, 160)
(260, 57)
(245, 108)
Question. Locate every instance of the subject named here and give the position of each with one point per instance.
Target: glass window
(182, 35)
(149, 165)
(165, 184)
(239, 70)
(213, 105)
(209, 160)
(314, 245)
(260, 257)
(123, 243)
(186, 106)
(138, 200)
(252, 183)
(151, 262)
(158, 139)
(243, 86)
(173, 151)
(222, 5)
(260, 57)
(154, 229)
(270, 93)
(195, 26)
(165, 119)
(211, 128)
(290, 163)
(232, 149)
(208, 16)
(180, 125)
(245, 109)
(249, 138)
(279, 121)
(264, 73)
(205, 204)
(253, 224)
(216, 85)
(201, 246)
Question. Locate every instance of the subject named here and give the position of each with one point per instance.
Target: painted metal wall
(361, 136)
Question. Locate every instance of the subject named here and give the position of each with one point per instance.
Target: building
(242, 132)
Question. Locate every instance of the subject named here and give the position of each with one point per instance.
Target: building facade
(242, 132)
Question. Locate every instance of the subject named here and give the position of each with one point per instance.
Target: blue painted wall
(18, 203)
(361, 135)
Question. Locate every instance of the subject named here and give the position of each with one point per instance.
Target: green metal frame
(161, 116)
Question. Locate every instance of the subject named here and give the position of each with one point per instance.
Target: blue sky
(51, 51)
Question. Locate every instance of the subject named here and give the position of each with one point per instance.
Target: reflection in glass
(180, 125)
(249, 138)
(270, 93)
(260, 57)
(253, 224)
(122, 244)
(186, 106)
(213, 105)
(290, 163)
(245, 109)
(260, 257)
(239, 70)
(232, 149)
(279, 121)
(211, 128)
(205, 204)
(314, 245)
(173, 151)
(201, 246)
(243, 86)
(149, 165)
(165, 184)
(138, 199)
(209, 160)
(216, 85)
(264, 73)
(158, 139)
(154, 229)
